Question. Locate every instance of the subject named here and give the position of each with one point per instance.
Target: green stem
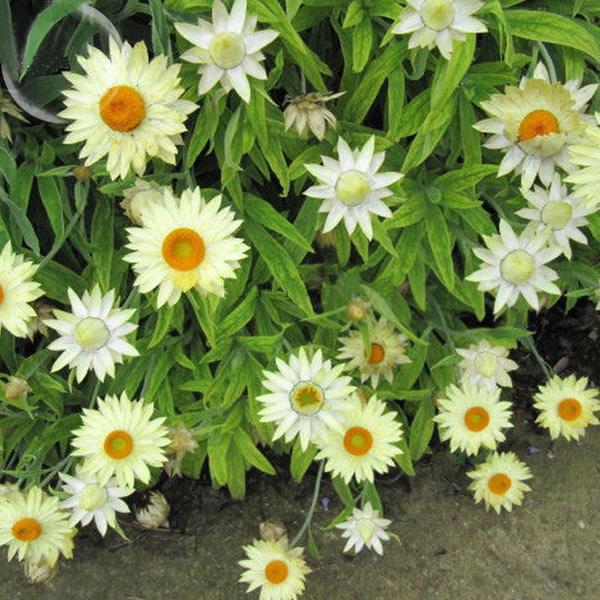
(530, 345)
(313, 505)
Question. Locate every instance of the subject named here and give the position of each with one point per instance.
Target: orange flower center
(377, 354)
(499, 484)
(183, 249)
(276, 571)
(477, 418)
(118, 444)
(1, 294)
(569, 409)
(26, 530)
(537, 122)
(358, 441)
(122, 108)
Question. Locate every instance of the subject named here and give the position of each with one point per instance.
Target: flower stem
(313, 505)
(530, 345)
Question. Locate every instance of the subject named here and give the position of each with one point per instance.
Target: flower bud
(272, 530)
(156, 513)
(39, 573)
(16, 389)
(137, 199)
(357, 309)
(182, 442)
(82, 173)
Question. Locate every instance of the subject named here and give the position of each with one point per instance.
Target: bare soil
(547, 549)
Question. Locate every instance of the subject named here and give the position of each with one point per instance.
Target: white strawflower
(39, 572)
(499, 481)
(351, 187)
(126, 107)
(305, 397)
(138, 197)
(121, 439)
(472, 417)
(228, 50)
(92, 336)
(486, 365)
(533, 125)
(364, 443)
(561, 212)
(308, 112)
(567, 406)
(365, 528)
(586, 155)
(278, 570)
(17, 291)
(155, 515)
(34, 527)
(438, 23)
(90, 500)
(184, 244)
(515, 266)
(386, 350)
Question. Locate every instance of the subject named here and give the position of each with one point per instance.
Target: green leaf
(543, 26)
(102, 235)
(8, 166)
(460, 180)
(280, 264)
(251, 453)
(421, 429)
(362, 41)
(301, 460)
(163, 324)
(53, 203)
(23, 223)
(450, 73)
(440, 243)
(238, 317)
(267, 216)
(42, 25)
(343, 491)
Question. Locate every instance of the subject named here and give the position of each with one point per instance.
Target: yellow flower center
(476, 419)
(122, 108)
(118, 444)
(91, 333)
(227, 50)
(486, 364)
(307, 398)
(557, 214)
(366, 529)
(438, 14)
(352, 187)
(517, 267)
(93, 496)
(358, 441)
(26, 530)
(536, 123)
(276, 572)
(377, 354)
(499, 484)
(570, 409)
(183, 249)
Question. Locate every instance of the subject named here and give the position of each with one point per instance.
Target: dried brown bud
(272, 530)
(16, 389)
(82, 173)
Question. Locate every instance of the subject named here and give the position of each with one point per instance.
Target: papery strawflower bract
(558, 210)
(308, 112)
(183, 244)
(351, 187)
(126, 107)
(486, 365)
(306, 395)
(387, 350)
(566, 406)
(228, 50)
(364, 443)
(121, 439)
(438, 23)
(92, 336)
(142, 194)
(33, 526)
(278, 570)
(17, 291)
(586, 155)
(89, 500)
(515, 266)
(471, 417)
(533, 125)
(365, 528)
(499, 481)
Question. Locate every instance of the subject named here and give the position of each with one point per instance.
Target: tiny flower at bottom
(365, 528)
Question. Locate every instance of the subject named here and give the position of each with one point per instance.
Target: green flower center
(557, 214)
(91, 333)
(517, 267)
(352, 188)
(486, 364)
(366, 529)
(438, 14)
(93, 496)
(227, 50)
(307, 398)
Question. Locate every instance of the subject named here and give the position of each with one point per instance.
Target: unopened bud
(39, 572)
(156, 513)
(16, 389)
(357, 310)
(82, 173)
(272, 530)
(325, 240)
